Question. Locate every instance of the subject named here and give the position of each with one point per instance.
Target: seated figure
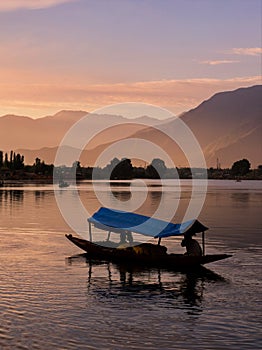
(123, 242)
(192, 246)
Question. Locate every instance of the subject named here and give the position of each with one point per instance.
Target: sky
(87, 54)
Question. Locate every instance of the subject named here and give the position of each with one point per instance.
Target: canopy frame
(117, 221)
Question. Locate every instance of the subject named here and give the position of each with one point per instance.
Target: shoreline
(42, 181)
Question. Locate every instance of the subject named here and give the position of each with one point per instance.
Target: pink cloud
(12, 5)
(249, 51)
(217, 62)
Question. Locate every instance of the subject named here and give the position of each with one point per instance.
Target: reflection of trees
(123, 196)
(152, 202)
(12, 196)
(241, 197)
(178, 290)
(120, 194)
(155, 197)
(16, 195)
(39, 195)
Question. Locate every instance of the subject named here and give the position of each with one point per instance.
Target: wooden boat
(144, 254)
(63, 184)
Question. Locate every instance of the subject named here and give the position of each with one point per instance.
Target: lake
(52, 297)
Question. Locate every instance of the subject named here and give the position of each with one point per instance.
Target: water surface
(53, 297)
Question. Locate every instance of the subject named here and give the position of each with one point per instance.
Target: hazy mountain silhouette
(233, 120)
(18, 132)
(228, 126)
(28, 133)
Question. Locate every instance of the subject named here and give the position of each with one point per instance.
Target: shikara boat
(126, 224)
(63, 184)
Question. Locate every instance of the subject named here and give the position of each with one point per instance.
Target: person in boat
(122, 237)
(123, 240)
(126, 237)
(192, 246)
(129, 237)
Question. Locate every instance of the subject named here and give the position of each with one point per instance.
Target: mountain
(228, 126)
(87, 158)
(25, 132)
(18, 132)
(234, 123)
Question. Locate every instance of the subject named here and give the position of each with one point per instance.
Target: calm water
(53, 298)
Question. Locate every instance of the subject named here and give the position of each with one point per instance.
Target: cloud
(217, 62)
(246, 51)
(175, 95)
(12, 5)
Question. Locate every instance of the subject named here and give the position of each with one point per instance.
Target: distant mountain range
(228, 126)
(18, 132)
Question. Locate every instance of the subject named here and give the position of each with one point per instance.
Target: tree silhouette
(1, 159)
(11, 159)
(18, 161)
(6, 162)
(157, 169)
(123, 170)
(240, 167)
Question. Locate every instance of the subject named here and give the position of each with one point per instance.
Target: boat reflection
(175, 289)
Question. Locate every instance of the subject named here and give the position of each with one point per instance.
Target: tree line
(124, 170)
(12, 166)
(13, 161)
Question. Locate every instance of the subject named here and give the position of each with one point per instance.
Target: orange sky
(83, 55)
(175, 95)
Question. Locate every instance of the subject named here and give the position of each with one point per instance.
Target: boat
(62, 184)
(127, 224)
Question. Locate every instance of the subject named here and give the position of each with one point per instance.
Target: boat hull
(148, 258)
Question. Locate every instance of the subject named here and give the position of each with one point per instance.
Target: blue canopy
(119, 221)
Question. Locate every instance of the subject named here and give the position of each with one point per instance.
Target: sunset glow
(83, 55)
